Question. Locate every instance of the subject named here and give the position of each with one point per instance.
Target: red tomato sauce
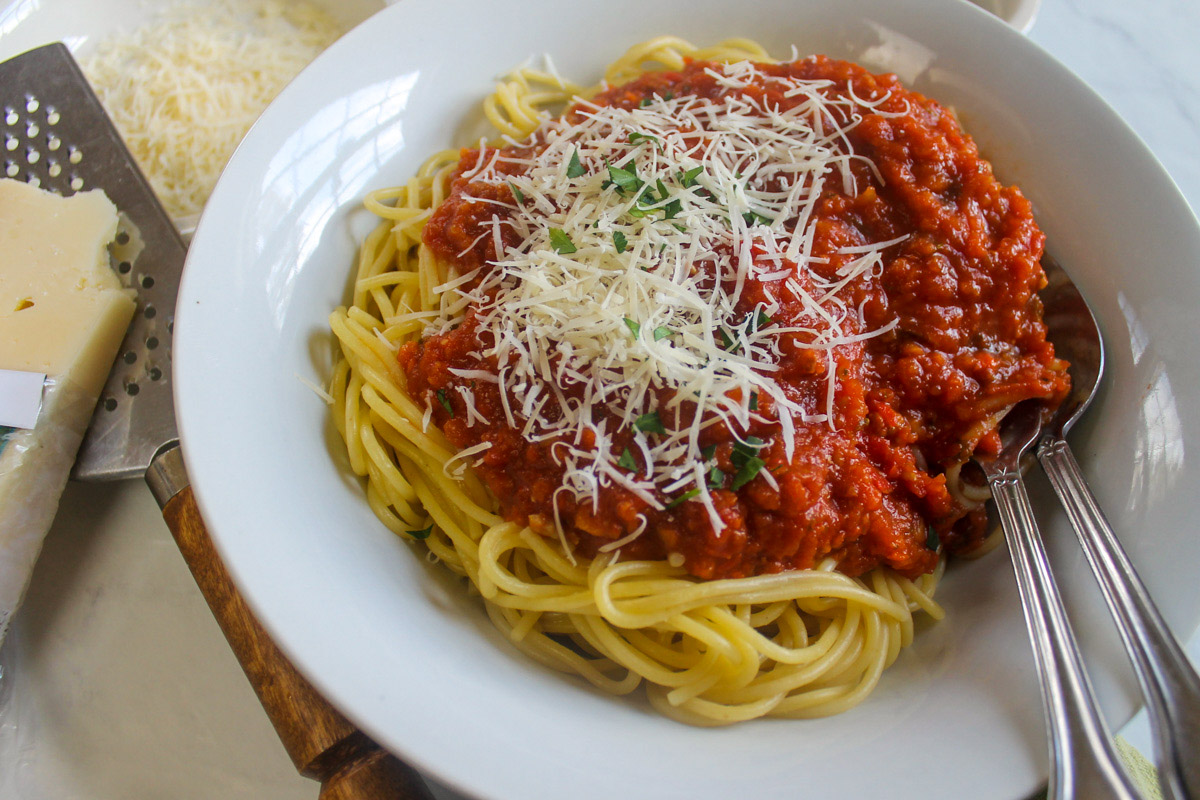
(909, 404)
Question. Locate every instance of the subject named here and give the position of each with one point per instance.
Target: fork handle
(1084, 764)
(1168, 680)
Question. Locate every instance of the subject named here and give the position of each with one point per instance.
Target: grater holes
(31, 103)
(76, 183)
(74, 154)
(11, 170)
(11, 143)
(11, 117)
(147, 282)
(110, 404)
(52, 116)
(32, 130)
(53, 143)
(149, 312)
(54, 168)
(124, 267)
(131, 388)
(130, 357)
(155, 374)
(32, 156)
(152, 343)
(123, 238)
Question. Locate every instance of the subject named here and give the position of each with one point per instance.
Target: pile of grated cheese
(624, 218)
(183, 89)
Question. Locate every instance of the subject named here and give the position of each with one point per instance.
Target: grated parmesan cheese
(606, 293)
(184, 89)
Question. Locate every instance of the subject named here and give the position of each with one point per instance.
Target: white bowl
(398, 645)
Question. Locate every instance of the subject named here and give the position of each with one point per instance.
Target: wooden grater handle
(322, 743)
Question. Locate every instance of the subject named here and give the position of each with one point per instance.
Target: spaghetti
(684, 380)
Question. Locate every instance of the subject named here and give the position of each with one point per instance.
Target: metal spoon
(1169, 683)
(1083, 763)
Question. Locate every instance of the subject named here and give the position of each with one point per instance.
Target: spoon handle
(1083, 761)
(1169, 682)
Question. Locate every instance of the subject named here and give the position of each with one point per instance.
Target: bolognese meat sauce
(943, 337)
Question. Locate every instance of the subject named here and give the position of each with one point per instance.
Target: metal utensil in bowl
(1083, 762)
(1168, 680)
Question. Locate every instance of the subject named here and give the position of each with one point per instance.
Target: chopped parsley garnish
(931, 538)
(754, 401)
(745, 459)
(661, 332)
(561, 242)
(445, 401)
(645, 101)
(636, 137)
(620, 242)
(634, 327)
(747, 472)
(627, 461)
(672, 208)
(517, 193)
(688, 179)
(626, 180)
(716, 478)
(753, 217)
(423, 533)
(729, 343)
(688, 495)
(708, 452)
(574, 168)
(649, 423)
(762, 321)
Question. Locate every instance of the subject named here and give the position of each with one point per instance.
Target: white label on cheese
(20, 397)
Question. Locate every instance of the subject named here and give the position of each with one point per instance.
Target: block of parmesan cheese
(63, 314)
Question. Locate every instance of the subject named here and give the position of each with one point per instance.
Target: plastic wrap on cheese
(63, 313)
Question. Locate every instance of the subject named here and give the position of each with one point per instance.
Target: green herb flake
(517, 193)
(626, 180)
(671, 209)
(634, 327)
(728, 343)
(743, 452)
(445, 401)
(645, 101)
(649, 423)
(762, 320)
(561, 242)
(637, 137)
(754, 401)
(423, 533)
(620, 242)
(688, 179)
(661, 332)
(716, 478)
(707, 453)
(574, 167)
(753, 217)
(750, 467)
(627, 461)
(688, 495)
(931, 538)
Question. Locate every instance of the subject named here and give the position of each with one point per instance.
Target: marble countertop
(116, 680)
